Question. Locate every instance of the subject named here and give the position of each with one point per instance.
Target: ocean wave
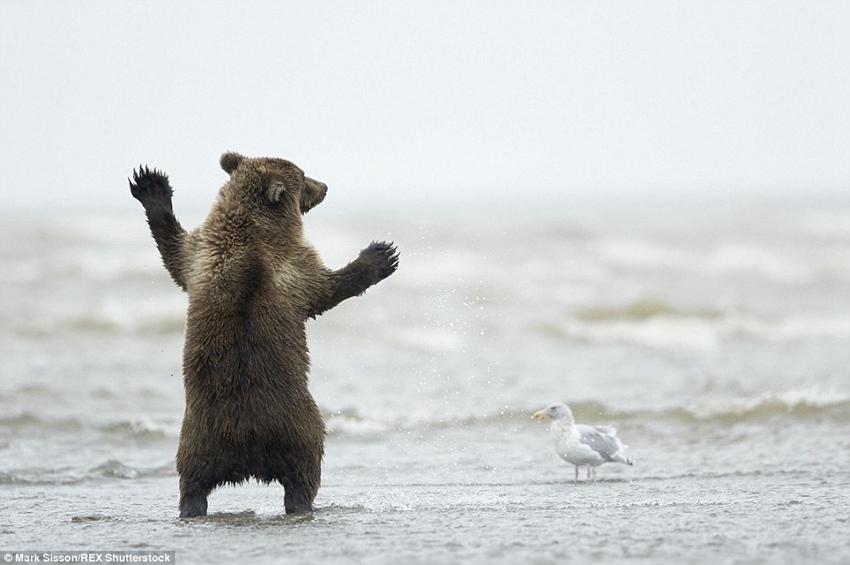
(144, 322)
(804, 404)
(141, 430)
(115, 469)
(110, 469)
(657, 323)
(724, 260)
(35, 477)
(28, 420)
(95, 265)
(643, 309)
(798, 404)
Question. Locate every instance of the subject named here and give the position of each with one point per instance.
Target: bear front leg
(375, 263)
(152, 189)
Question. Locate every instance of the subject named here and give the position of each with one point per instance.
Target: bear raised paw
(150, 186)
(253, 281)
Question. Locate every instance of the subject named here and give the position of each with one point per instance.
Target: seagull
(580, 444)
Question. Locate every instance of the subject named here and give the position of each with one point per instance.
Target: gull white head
(557, 411)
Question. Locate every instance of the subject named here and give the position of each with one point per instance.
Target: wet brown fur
(252, 282)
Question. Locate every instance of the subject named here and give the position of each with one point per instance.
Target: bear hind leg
(298, 496)
(193, 499)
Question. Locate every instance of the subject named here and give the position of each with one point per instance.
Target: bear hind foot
(193, 504)
(297, 498)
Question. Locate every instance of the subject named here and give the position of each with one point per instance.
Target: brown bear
(252, 282)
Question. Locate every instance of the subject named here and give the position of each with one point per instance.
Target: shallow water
(716, 339)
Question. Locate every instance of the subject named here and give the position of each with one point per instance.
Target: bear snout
(313, 194)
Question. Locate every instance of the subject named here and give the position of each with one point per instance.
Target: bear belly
(248, 409)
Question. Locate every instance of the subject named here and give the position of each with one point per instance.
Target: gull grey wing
(599, 441)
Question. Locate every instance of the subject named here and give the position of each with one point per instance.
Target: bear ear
(229, 161)
(275, 192)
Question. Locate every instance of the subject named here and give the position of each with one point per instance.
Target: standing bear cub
(252, 282)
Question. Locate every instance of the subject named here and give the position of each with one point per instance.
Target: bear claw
(383, 256)
(149, 185)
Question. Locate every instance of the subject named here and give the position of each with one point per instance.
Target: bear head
(275, 185)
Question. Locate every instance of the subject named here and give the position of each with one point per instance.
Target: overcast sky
(426, 100)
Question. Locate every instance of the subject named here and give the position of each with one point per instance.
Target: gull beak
(540, 415)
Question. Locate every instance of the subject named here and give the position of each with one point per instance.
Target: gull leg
(576, 474)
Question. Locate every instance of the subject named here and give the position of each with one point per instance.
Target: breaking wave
(351, 422)
(657, 323)
(166, 316)
(66, 475)
(138, 429)
(798, 404)
(806, 404)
